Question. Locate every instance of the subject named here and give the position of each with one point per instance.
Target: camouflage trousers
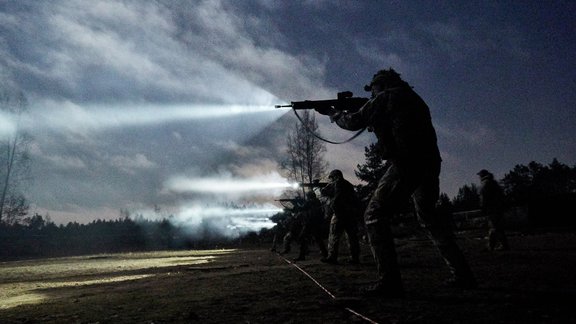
(400, 182)
(311, 233)
(496, 234)
(338, 226)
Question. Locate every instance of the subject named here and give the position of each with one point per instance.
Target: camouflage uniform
(312, 226)
(492, 205)
(279, 229)
(292, 224)
(407, 140)
(345, 207)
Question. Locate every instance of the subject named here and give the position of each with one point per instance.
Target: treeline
(39, 237)
(546, 192)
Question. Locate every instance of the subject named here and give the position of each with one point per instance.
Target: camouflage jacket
(401, 121)
(342, 196)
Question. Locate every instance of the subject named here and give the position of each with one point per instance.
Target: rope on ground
(326, 290)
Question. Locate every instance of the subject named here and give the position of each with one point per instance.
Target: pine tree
(370, 172)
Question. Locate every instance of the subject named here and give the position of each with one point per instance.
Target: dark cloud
(110, 83)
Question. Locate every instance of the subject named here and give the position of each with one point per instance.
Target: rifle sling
(323, 139)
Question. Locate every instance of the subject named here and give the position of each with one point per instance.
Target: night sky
(129, 97)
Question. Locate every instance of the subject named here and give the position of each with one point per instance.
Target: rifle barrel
(313, 184)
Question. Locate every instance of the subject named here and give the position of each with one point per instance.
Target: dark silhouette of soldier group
(407, 143)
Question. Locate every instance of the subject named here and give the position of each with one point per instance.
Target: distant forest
(37, 237)
(547, 191)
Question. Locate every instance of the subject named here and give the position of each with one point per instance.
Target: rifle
(313, 184)
(296, 203)
(345, 102)
(277, 218)
(290, 200)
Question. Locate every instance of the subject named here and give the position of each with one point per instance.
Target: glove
(327, 111)
(335, 116)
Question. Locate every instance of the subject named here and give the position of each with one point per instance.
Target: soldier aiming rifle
(291, 225)
(345, 102)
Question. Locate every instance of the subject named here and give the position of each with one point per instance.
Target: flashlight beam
(207, 185)
(74, 117)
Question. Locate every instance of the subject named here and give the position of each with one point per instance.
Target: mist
(226, 204)
(198, 219)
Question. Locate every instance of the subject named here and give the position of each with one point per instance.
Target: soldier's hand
(327, 111)
(335, 116)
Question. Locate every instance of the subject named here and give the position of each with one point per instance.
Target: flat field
(535, 282)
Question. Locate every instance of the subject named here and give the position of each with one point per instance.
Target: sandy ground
(532, 283)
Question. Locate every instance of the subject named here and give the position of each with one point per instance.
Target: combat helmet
(484, 173)
(389, 76)
(335, 174)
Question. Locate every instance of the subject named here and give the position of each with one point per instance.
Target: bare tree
(14, 159)
(305, 161)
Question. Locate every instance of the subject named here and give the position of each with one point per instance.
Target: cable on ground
(326, 290)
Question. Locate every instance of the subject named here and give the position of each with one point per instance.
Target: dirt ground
(535, 282)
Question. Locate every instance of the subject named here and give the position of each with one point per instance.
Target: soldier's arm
(328, 191)
(363, 117)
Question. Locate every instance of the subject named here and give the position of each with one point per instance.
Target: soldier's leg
(353, 242)
(303, 249)
(319, 238)
(287, 243)
(503, 239)
(382, 206)
(304, 240)
(334, 238)
(498, 231)
(492, 236)
(492, 239)
(274, 241)
(425, 197)
(492, 233)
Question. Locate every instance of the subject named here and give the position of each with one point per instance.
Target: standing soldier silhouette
(407, 141)
(344, 205)
(312, 220)
(492, 206)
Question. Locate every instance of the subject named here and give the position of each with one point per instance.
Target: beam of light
(272, 183)
(72, 117)
(229, 222)
(197, 220)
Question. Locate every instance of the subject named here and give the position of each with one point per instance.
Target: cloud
(248, 46)
(462, 40)
(469, 134)
(66, 162)
(7, 125)
(131, 50)
(255, 169)
(129, 164)
(120, 91)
